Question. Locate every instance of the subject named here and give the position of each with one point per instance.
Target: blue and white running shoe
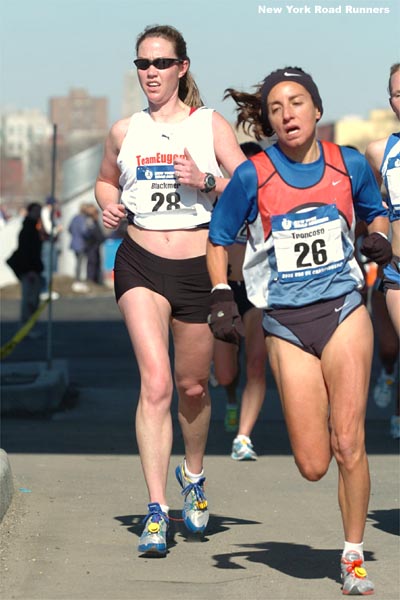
(395, 427)
(153, 541)
(195, 509)
(384, 389)
(242, 449)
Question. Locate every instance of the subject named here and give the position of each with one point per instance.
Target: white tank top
(149, 189)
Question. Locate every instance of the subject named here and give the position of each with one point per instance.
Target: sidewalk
(72, 529)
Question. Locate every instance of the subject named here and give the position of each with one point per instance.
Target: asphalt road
(72, 529)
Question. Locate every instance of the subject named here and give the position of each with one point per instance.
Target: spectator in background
(94, 237)
(26, 262)
(78, 230)
(51, 229)
(4, 216)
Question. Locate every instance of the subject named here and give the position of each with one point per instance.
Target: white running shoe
(211, 378)
(46, 295)
(153, 541)
(195, 508)
(383, 390)
(80, 287)
(242, 449)
(355, 580)
(395, 427)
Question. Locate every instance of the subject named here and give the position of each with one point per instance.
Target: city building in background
(359, 132)
(25, 137)
(21, 130)
(27, 144)
(133, 99)
(82, 121)
(12, 182)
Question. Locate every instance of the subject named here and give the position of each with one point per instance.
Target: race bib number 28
(308, 244)
(159, 191)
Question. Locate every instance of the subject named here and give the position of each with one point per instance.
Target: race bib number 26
(308, 244)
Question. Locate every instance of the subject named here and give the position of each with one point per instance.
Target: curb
(6, 484)
(32, 388)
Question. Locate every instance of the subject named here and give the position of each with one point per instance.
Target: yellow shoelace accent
(360, 572)
(356, 567)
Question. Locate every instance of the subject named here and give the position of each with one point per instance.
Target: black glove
(377, 248)
(224, 318)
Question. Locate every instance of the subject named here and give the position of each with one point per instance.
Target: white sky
(49, 46)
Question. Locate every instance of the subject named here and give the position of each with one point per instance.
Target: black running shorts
(184, 283)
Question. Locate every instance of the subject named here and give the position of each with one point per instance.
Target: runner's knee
(192, 390)
(156, 391)
(348, 450)
(312, 469)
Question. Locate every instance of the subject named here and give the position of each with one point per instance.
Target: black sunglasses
(159, 63)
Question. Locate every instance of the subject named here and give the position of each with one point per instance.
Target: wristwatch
(209, 183)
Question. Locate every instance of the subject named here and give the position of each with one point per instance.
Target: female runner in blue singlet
(299, 199)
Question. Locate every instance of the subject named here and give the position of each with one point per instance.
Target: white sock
(244, 438)
(348, 546)
(194, 477)
(164, 508)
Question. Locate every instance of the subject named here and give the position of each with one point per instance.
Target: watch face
(209, 181)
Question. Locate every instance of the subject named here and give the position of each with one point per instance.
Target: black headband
(288, 74)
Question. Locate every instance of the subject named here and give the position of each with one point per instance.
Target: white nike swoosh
(292, 74)
(336, 182)
(341, 307)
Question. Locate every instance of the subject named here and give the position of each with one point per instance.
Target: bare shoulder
(375, 150)
(118, 131)
(374, 155)
(220, 123)
(227, 149)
